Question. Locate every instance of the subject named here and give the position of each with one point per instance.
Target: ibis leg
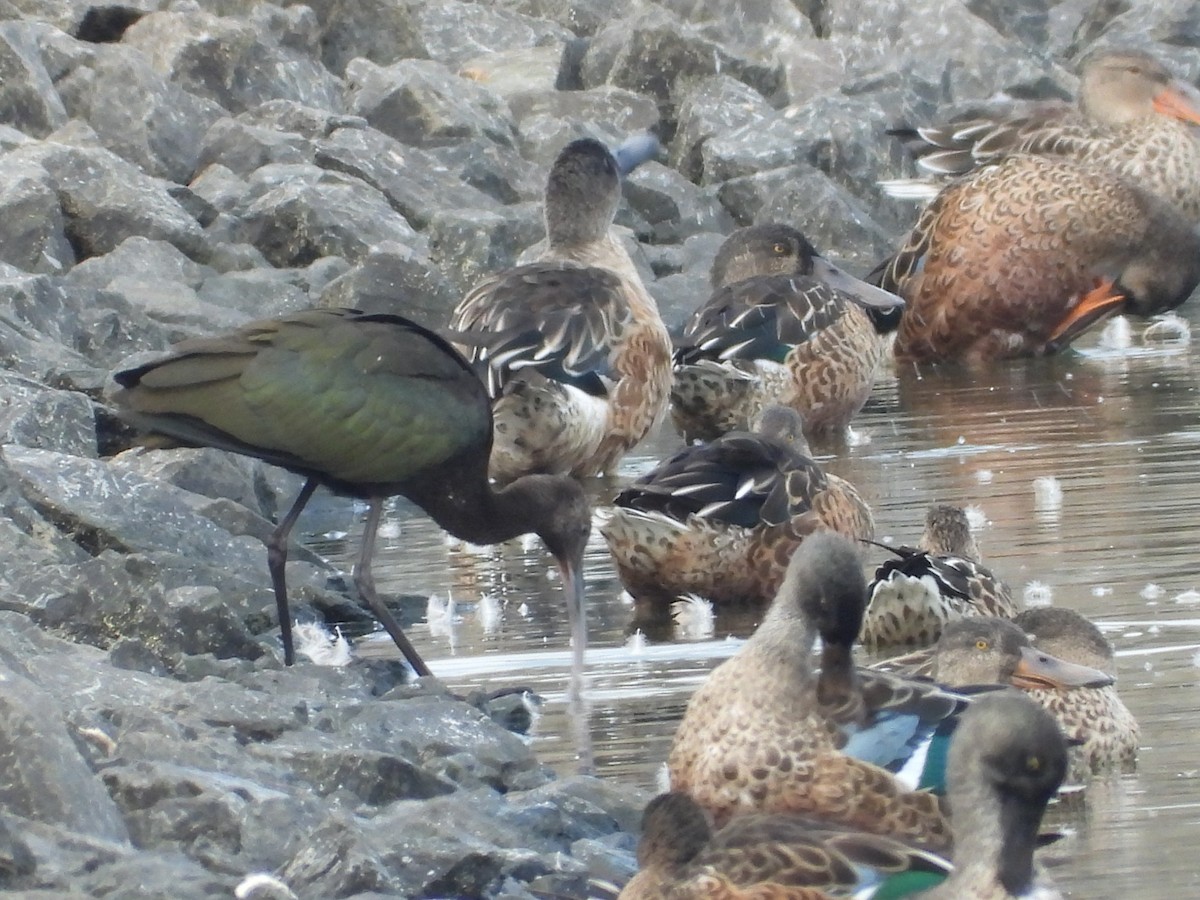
(365, 582)
(277, 561)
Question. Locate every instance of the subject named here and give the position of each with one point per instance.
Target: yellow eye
(780, 249)
(1033, 764)
(981, 644)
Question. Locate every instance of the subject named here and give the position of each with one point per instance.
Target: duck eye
(781, 249)
(981, 644)
(1033, 763)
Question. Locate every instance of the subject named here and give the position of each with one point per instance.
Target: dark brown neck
(472, 510)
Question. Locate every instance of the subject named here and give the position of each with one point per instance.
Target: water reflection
(1117, 435)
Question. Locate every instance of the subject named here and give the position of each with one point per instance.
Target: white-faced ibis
(576, 358)
(1133, 118)
(940, 580)
(783, 325)
(370, 406)
(1021, 257)
(720, 520)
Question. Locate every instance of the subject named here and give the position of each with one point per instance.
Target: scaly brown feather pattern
(998, 261)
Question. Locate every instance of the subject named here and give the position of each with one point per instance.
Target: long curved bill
(573, 593)
(866, 294)
(1041, 670)
(1179, 100)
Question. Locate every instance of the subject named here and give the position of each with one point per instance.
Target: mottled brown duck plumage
(1132, 118)
(1019, 258)
(766, 733)
(783, 325)
(1105, 732)
(914, 595)
(573, 350)
(721, 520)
(1006, 760)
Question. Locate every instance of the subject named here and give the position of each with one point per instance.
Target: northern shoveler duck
(680, 857)
(720, 520)
(572, 348)
(1006, 760)
(783, 325)
(1132, 118)
(942, 579)
(1020, 258)
(1106, 732)
(766, 733)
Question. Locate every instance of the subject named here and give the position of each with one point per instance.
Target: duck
(1132, 117)
(571, 346)
(1020, 258)
(943, 578)
(767, 733)
(680, 856)
(1006, 760)
(720, 520)
(1105, 735)
(782, 325)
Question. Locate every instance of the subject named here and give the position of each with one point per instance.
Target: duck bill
(1099, 303)
(1037, 670)
(1179, 101)
(864, 294)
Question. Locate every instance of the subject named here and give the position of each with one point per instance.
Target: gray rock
(36, 416)
(423, 103)
(621, 111)
(654, 53)
(106, 508)
(674, 207)
(258, 293)
(43, 332)
(28, 99)
(469, 244)
(33, 233)
(45, 777)
(381, 31)
(413, 180)
(239, 63)
(138, 114)
(710, 107)
(581, 17)
(241, 147)
(297, 214)
(494, 170)
(105, 200)
(455, 32)
(392, 278)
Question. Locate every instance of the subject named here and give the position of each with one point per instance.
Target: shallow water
(1119, 433)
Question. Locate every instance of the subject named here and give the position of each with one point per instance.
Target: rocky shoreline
(172, 169)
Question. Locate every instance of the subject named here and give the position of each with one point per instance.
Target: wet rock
(469, 244)
(414, 181)
(424, 103)
(103, 508)
(36, 416)
(45, 777)
(242, 147)
(656, 54)
(32, 228)
(296, 214)
(43, 331)
(105, 200)
(710, 107)
(392, 278)
(455, 32)
(28, 99)
(139, 114)
(239, 62)
(672, 206)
